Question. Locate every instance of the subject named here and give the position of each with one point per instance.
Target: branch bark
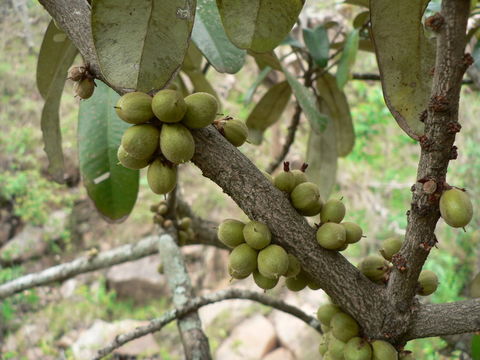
(195, 304)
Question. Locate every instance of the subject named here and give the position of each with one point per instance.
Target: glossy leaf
(405, 58)
(268, 111)
(142, 45)
(307, 101)
(259, 25)
(318, 44)
(335, 105)
(209, 36)
(347, 59)
(112, 187)
(56, 56)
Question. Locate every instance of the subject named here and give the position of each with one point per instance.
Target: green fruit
(84, 88)
(475, 287)
(323, 347)
(293, 266)
(373, 267)
(300, 177)
(176, 143)
(331, 236)
(326, 312)
(169, 106)
(313, 285)
(325, 328)
(129, 161)
(161, 178)
(312, 211)
(297, 283)
(264, 282)
(305, 197)
(273, 261)
(336, 348)
(344, 327)
(141, 141)
(242, 261)
(427, 283)
(353, 232)
(257, 235)
(332, 211)
(135, 108)
(383, 350)
(357, 349)
(236, 275)
(182, 237)
(230, 232)
(235, 131)
(456, 208)
(185, 223)
(390, 247)
(284, 181)
(202, 109)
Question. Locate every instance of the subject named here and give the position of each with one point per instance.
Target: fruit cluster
(341, 339)
(84, 83)
(253, 253)
(183, 225)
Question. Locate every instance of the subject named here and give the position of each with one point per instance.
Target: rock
(279, 354)
(27, 244)
(28, 335)
(102, 333)
(138, 280)
(251, 339)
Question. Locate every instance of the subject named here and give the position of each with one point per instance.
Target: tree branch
(436, 153)
(195, 304)
(376, 77)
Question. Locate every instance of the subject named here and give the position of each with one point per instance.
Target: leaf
(476, 347)
(291, 41)
(251, 90)
(259, 25)
(347, 59)
(266, 59)
(268, 111)
(318, 44)
(209, 36)
(141, 46)
(112, 187)
(308, 103)
(335, 105)
(361, 19)
(200, 83)
(405, 58)
(357, 2)
(56, 55)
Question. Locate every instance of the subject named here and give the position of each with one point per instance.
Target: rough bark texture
(195, 304)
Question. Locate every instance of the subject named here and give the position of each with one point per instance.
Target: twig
(195, 304)
(376, 77)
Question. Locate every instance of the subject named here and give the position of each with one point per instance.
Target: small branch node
(439, 103)
(453, 127)
(399, 262)
(435, 22)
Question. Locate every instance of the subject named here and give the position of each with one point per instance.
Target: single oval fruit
(331, 236)
(168, 106)
(353, 232)
(235, 131)
(135, 107)
(344, 327)
(373, 267)
(264, 282)
(162, 178)
(84, 88)
(273, 261)
(293, 266)
(257, 235)
(305, 197)
(332, 211)
(300, 176)
(230, 232)
(326, 312)
(242, 261)
(284, 181)
(456, 208)
(297, 283)
(383, 350)
(141, 141)
(323, 346)
(202, 109)
(236, 275)
(336, 348)
(390, 247)
(129, 161)
(427, 283)
(176, 143)
(357, 349)
(313, 210)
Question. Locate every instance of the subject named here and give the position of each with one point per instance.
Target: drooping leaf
(56, 55)
(142, 45)
(307, 102)
(259, 25)
(112, 187)
(193, 58)
(268, 111)
(251, 90)
(209, 36)
(361, 19)
(266, 59)
(336, 107)
(318, 44)
(405, 58)
(347, 59)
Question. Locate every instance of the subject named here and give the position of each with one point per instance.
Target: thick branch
(195, 304)
(440, 125)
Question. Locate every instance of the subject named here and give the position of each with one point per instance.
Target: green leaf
(290, 40)
(56, 55)
(476, 347)
(318, 44)
(142, 45)
(405, 58)
(268, 111)
(251, 90)
(266, 59)
(307, 101)
(259, 25)
(112, 187)
(361, 19)
(209, 36)
(335, 105)
(347, 59)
